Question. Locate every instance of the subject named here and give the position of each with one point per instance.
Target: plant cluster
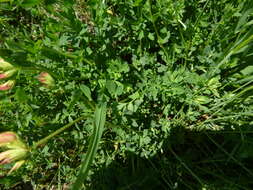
(127, 94)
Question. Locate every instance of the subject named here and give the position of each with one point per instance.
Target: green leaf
(30, 3)
(100, 118)
(111, 86)
(86, 91)
(137, 3)
(247, 71)
(115, 88)
(135, 95)
(151, 36)
(20, 95)
(202, 100)
(243, 19)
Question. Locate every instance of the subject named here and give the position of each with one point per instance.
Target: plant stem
(32, 69)
(156, 31)
(38, 69)
(58, 131)
(70, 56)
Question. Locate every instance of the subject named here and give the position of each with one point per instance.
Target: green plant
(176, 77)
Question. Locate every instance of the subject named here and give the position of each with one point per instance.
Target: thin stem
(71, 56)
(32, 69)
(87, 61)
(156, 31)
(39, 69)
(58, 131)
(186, 167)
(229, 155)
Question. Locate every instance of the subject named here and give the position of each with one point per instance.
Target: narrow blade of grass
(100, 117)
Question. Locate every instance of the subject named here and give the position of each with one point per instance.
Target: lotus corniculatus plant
(7, 71)
(46, 79)
(15, 151)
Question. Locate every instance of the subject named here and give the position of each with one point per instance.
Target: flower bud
(12, 155)
(7, 85)
(7, 74)
(4, 66)
(46, 79)
(16, 151)
(7, 137)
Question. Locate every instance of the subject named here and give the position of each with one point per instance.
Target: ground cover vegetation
(126, 94)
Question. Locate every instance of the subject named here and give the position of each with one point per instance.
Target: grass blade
(100, 117)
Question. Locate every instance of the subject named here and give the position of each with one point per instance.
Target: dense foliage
(176, 77)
